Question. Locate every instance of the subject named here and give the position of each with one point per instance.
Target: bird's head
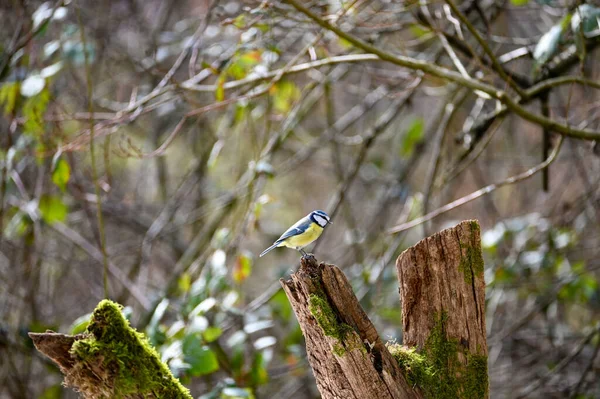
(319, 217)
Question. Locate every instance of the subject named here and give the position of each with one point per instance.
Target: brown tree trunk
(442, 293)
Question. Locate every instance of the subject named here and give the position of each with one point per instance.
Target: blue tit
(302, 233)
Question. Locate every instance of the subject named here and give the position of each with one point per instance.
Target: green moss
(327, 320)
(415, 365)
(472, 262)
(120, 360)
(475, 226)
(437, 370)
(476, 377)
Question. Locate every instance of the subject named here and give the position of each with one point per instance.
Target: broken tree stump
(110, 360)
(442, 294)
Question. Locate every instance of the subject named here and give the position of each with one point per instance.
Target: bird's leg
(304, 254)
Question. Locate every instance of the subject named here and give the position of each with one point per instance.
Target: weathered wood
(56, 346)
(348, 358)
(442, 284)
(443, 314)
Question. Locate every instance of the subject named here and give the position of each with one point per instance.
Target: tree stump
(442, 293)
(110, 360)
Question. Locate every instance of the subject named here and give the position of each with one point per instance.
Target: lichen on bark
(436, 369)
(328, 321)
(471, 263)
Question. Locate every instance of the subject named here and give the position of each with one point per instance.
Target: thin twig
(479, 193)
(560, 366)
(586, 371)
(441, 132)
(95, 254)
(90, 93)
(444, 73)
(234, 84)
(382, 123)
(497, 66)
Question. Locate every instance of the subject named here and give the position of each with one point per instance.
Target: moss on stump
(111, 359)
(437, 371)
(328, 321)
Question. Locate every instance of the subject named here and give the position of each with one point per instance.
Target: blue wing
(298, 228)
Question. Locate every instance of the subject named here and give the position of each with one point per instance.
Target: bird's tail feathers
(272, 247)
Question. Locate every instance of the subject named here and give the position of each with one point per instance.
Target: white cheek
(320, 221)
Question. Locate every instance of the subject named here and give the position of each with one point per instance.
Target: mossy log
(442, 293)
(110, 360)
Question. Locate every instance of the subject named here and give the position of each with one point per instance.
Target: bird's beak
(329, 222)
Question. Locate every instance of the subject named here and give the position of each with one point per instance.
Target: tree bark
(443, 274)
(348, 358)
(442, 293)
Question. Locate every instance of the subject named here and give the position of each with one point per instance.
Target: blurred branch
(369, 138)
(560, 366)
(567, 59)
(486, 48)
(234, 84)
(452, 76)
(190, 258)
(577, 389)
(24, 41)
(479, 193)
(90, 96)
(467, 158)
(187, 184)
(190, 44)
(95, 254)
(442, 128)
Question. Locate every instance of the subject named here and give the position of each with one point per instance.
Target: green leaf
(201, 358)
(240, 21)
(242, 268)
(159, 313)
(220, 92)
(61, 174)
(584, 21)
(418, 30)
(413, 135)
(262, 27)
(589, 15)
(9, 94)
(284, 94)
(211, 334)
(80, 324)
(258, 373)
(519, 2)
(34, 110)
(184, 283)
(242, 63)
(53, 209)
(548, 45)
(281, 306)
(250, 58)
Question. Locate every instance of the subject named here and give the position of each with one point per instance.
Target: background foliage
(154, 148)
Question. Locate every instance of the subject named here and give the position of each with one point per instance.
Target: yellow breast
(312, 233)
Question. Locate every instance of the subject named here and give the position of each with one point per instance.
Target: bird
(302, 233)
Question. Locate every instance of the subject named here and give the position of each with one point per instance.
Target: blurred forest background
(153, 148)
